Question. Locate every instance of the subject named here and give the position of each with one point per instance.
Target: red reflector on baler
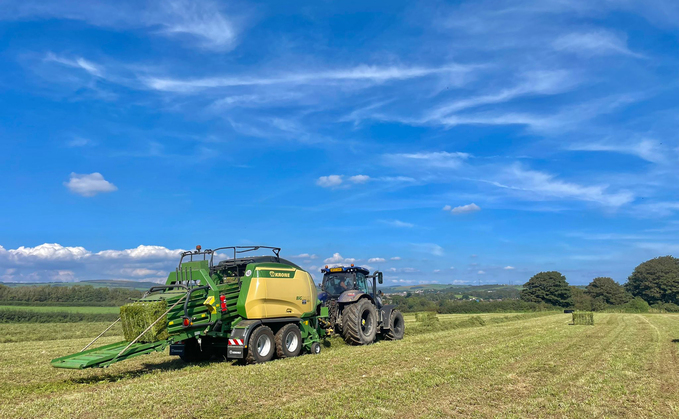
(186, 322)
(222, 298)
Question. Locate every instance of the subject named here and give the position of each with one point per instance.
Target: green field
(627, 365)
(74, 309)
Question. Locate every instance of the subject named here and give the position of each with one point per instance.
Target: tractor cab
(340, 279)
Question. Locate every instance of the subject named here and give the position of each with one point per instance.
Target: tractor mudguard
(351, 296)
(385, 315)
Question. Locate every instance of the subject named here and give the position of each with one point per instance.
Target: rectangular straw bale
(583, 318)
(136, 317)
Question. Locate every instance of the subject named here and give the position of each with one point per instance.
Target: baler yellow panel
(280, 292)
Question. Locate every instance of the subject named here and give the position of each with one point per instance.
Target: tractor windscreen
(337, 283)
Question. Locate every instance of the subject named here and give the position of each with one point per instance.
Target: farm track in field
(624, 366)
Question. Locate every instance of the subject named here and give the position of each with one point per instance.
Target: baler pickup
(104, 356)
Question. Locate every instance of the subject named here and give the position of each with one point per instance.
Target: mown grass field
(626, 365)
(70, 309)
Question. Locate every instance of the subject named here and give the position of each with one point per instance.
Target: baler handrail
(188, 298)
(100, 335)
(276, 251)
(159, 287)
(149, 328)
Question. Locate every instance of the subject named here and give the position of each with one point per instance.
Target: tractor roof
(351, 268)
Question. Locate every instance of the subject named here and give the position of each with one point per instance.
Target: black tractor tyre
(288, 341)
(396, 326)
(359, 323)
(193, 352)
(261, 345)
(315, 348)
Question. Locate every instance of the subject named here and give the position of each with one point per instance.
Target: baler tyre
(261, 345)
(315, 348)
(193, 352)
(288, 341)
(359, 323)
(396, 326)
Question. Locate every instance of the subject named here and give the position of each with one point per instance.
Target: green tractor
(247, 308)
(355, 309)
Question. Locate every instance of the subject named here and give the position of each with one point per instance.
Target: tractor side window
(360, 282)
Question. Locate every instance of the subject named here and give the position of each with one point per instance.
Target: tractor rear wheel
(359, 323)
(194, 352)
(288, 341)
(396, 326)
(261, 345)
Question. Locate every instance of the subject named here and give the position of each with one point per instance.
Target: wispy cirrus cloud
(201, 22)
(361, 73)
(600, 42)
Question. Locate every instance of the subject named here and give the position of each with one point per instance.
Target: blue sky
(461, 142)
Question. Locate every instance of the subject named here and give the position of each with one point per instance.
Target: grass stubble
(512, 366)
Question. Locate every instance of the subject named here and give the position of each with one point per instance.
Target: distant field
(626, 365)
(76, 309)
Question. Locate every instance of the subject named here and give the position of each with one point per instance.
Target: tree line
(71, 295)
(654, 283)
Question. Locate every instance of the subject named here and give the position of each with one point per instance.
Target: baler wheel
(288, 341)
(359, 323)
(261, 345)
(396, 326)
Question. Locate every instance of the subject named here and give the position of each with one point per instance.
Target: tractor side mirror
(379, 278)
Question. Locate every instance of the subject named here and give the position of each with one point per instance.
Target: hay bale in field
(136, 317)
(583, 318)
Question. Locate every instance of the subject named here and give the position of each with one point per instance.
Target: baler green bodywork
(205, 304)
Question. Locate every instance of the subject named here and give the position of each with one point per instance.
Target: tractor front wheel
(396, 326)
(359, 323)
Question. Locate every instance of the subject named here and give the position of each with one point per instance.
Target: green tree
(608, 291)
(548, 287)
(581, 301)
(656, 280)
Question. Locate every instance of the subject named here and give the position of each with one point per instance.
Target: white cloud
(594, 43)
(305, 256)
(395, 258)
(438, 159)
(437, 271)
(544, 185)
(54, 262)
(463, 209)
(398, 223)
(89, 185)
(359, 179)
(337, 258)
(452, 267)
(376, 260)
(201, 21)
(508, 268)
(48, 251)
(481, 272)
(648, 150)
(371, 74)
(330, 181)
(431, 248)
(79, 62)
(142, 252)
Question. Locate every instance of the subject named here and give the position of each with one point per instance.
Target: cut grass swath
(585, 318)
